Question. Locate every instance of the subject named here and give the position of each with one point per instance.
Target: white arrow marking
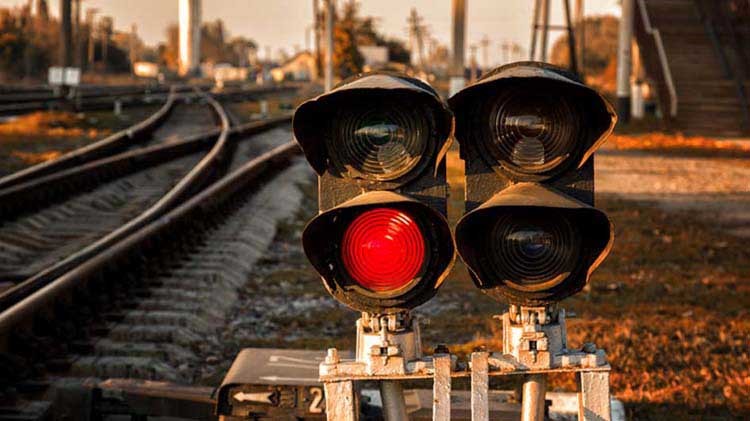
(277, 358)
(262, 397)
(304, 366)
(291, 379)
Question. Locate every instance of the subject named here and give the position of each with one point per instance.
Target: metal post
(545, 29)
(580, 31)
(78, 50)
(132, 53)
(473, 63)
(394, 405)
(624, 60)
(105, 49)
(316, 37)
(90, 26)
(573, 56)
(480, 410)
(457, 81)
(441, 387)
(534, 390)
(534, 28)
(593, 396)
(330, 9)
(341, 401)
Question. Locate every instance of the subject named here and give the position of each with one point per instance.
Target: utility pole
(473, 62)
(66, 50)
(105, 32)
(316, 36)
(458, 9)
(580, 31)
(133, 54)
(506, 51)
(545, 30)
(624, 60)
(485, 43)
(572, 56)
(90, 12)
(416, 32)
(540, 21)
(330, 10)
(308, 42)
(78, 42)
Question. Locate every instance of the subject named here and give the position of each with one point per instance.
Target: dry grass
(669, 305)
(51, 124)
(679, 144)
(44, 135)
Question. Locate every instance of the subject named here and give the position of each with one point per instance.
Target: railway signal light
(381, 242)
(527, 133)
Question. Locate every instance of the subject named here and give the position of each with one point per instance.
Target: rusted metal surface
(441, 387)
(392, 396)
(593, 396)
(480, 410)
(534, 391)
(341, 401)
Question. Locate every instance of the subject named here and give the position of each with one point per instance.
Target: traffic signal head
(377, 142)
(527, 133)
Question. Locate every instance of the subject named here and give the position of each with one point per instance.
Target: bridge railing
(657, 62)
(719, 18)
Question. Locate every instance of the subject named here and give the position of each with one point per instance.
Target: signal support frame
(534, 345)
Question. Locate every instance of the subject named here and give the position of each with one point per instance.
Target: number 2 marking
(317, 398)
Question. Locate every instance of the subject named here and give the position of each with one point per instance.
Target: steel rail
(36, 192)
(198, 207)
(103, 97)
(195, 178)
(93, 151)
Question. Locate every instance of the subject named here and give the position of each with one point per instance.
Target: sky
(282, 23)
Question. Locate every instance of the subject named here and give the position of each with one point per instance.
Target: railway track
(160, 126)
(91, 97)
(88, 296)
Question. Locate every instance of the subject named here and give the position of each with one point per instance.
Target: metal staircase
(697, 54)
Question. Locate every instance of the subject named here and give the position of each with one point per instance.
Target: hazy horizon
(283, 23)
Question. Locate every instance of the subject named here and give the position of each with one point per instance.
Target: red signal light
(383, 249)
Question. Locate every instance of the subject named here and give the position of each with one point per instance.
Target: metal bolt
(589, 347)
(441, 349)
(332, 357)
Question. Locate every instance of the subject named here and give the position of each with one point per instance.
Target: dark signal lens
(532, 134)
(383, 249)
(533, 252)
(378, 142)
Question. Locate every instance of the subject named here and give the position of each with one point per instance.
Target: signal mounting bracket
(388, 346)
(534, 345)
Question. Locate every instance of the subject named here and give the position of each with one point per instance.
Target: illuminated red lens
(383, 249)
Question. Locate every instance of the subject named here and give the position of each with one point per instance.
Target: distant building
(146, 69)
(224, 72)
(374, 56)
(300, 67)
(190, 36)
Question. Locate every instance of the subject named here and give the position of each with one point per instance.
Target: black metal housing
(568, 190)
(422, 191)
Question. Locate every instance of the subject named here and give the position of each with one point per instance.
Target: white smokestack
(190, 36)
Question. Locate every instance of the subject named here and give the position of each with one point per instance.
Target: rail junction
(115, 256)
